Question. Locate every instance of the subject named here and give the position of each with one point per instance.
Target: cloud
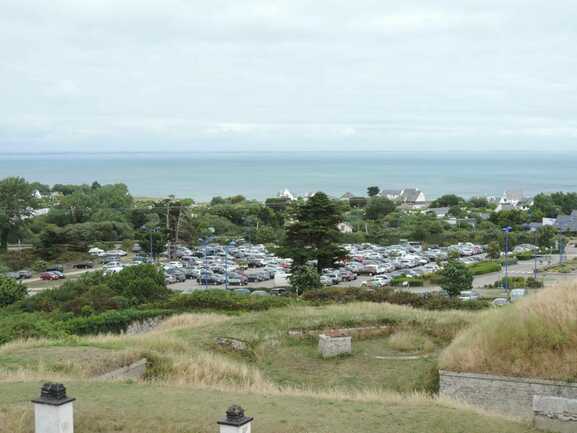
(261, 74)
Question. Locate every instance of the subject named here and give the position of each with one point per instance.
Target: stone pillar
(53, 410)
(235, 421)
(334, 345)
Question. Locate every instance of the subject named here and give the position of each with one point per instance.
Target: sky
(290, 75)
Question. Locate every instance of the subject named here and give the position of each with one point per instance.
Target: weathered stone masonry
(506, 395)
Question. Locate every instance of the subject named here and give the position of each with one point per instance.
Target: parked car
(469, 295)
(51, 276)
(499, 302)
(241, 292)
(83, 265)
(25, 274)
(260, 293)
(14, 275)
(517, 294)
(279, 291)
(59, 268)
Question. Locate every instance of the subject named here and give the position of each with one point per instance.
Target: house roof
(410, 194)
(390, 192)
(567, 223)
(505, 206)
(514, 196)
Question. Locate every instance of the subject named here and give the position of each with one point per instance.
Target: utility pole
(507, 230)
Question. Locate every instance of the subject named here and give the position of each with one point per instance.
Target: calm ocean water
(260, 175)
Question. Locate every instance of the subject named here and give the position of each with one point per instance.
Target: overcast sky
(132, 75)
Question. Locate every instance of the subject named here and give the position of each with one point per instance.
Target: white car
(469, 295)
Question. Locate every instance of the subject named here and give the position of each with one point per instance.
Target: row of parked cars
(213, 264)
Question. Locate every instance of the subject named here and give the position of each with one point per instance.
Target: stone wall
(134, 371)
(555, 414)
(510, 396)
(330, 346)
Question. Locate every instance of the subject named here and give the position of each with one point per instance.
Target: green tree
(493, 250)
(304, 278)
(447, 200)
(456, 277)
(379, 207)
(314, 234)
(11, 291)
(17, 203)
(478, 202)
(373, 191)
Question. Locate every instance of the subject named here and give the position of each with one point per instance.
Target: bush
(223, 300)
(110, 321)
(304, 278)
(527, 255)
(456, 277)
(412, 282)
(11, 291)
(23, 325)
(485, 267)
(95, 292)
(342, 295)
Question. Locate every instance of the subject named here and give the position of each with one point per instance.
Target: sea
(258, 175)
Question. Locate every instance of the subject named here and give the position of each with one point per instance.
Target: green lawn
(135, 408)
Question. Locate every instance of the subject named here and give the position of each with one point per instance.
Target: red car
(50, 276)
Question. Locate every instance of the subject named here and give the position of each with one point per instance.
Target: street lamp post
(507, 230)
(227, 246)
(535, 257)
(205, 242)
(150, 231)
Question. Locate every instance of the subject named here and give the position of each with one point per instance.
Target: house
(286, 194)
(413, 196)
(505, 207)
(345, 227)
(567, 223)
(511, 200)
(549, 221)
(440, 212)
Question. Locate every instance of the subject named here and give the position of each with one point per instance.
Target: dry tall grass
(536, 337)
(411, 341)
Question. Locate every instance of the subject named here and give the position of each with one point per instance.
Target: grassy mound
(536, 337)
(183, 350)
(135, 408)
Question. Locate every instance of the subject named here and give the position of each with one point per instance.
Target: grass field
(280, 379)
(136, 408)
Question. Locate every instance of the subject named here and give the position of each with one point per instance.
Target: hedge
(344, 295)
(485, 267)
(223, 300)
(115, 321)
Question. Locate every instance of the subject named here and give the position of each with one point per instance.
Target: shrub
(411, 341)
(223, 300)
(110, 321)
(304, 278)
(412, 282)
(342, 295)
(527, 255)
(485, 267)
(456, 277)
(11, 291)
(23, 325)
